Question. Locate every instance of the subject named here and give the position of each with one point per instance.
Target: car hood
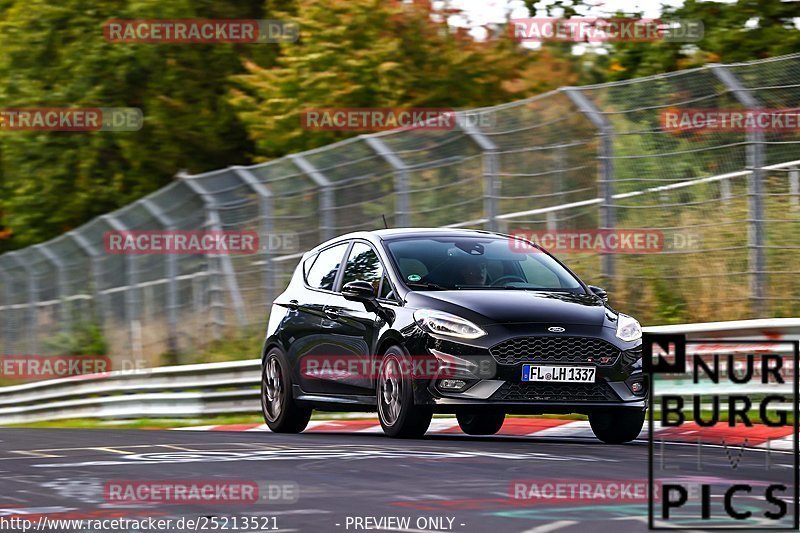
(508, 306)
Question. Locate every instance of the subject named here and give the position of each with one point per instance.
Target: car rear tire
(281, 412)
(617, 426)
(481, 423)
(398, 415)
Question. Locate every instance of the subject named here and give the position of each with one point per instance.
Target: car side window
(307, 265)
(363, 265)
(322, 273)
(386, 291)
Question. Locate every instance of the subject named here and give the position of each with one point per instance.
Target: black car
(475, 323)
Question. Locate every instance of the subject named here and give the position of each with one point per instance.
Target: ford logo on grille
(556, 329)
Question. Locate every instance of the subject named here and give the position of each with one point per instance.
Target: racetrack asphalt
(442, 482)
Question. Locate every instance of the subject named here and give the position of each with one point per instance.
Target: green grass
(143, 423)
(222, 420)
(247, 344)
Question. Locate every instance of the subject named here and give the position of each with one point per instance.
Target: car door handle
(293, 305)
(330, 313)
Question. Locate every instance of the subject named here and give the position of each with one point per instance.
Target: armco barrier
(233, 387)
(163, 392)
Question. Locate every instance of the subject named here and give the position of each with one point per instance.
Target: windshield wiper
(538, 289)
(426, 285)
(508, 288)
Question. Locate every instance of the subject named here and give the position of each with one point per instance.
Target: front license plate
(571, 374)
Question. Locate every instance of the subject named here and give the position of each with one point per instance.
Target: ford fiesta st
(409, 322)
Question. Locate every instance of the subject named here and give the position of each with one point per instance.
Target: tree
(376, 53)
(55, 55)
(743, 30)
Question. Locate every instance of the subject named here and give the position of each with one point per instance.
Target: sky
(480, 12)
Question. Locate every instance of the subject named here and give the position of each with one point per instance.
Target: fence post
(725, 190)
(9, 329)
(33, 314)
(326, 195)
(490, 166)
(58, 266)
(101, 307)
(605, 179)
(558, 184)
(132, 292)
(216, 301)
(265, 229)
(172, 274)
(755, 179)
(402, 214)
(794, 188)
(228, 272)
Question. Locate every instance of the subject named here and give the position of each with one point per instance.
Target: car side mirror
(599, 291)
(362, 291)
(358, 291)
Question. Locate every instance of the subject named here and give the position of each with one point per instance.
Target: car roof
(398, 233)
(393, 233)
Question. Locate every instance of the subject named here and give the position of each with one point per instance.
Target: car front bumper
(502, 387)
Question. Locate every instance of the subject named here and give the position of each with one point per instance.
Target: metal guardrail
(233, 387)
(162, 392)
(762, 328)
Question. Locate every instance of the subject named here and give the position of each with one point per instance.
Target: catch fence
(577, 158)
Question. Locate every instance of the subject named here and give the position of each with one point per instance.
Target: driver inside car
(474, 271)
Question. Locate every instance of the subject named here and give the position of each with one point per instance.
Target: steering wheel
(506, 278)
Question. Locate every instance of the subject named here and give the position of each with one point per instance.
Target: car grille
(555, 350)
(555, 392)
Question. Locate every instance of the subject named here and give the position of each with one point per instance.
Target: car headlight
(628, 328)
(447, 324)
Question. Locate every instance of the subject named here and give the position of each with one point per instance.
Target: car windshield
(478, 263)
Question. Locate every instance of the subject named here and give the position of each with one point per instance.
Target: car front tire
(617, 426)
(398, 415)
(281, 412)
(481, 423)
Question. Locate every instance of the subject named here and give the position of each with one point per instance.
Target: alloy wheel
(391, 391)
(273, 389)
